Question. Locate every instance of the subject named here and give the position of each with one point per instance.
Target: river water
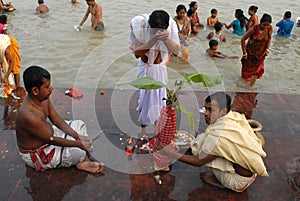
(93, 60)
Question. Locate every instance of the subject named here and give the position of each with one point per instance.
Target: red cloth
(256, 47)
(46, 158)
(196, 18)
(160, 160)
(74, 92)
(166, 125)
(164, 131)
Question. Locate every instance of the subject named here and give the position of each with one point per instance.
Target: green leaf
(145, 83)
(207, 80)
(189, 116)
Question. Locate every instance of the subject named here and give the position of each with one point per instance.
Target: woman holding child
(256, 49)
(184, 30)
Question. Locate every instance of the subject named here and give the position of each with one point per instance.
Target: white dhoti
(151, 101)
(233, 141)
(61, 156)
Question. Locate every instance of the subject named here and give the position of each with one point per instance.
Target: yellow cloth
(233, 140)
(4, 43)
(14, 50)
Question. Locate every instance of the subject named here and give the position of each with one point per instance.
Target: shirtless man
(96, 16)
(42, 8)
(43, 145)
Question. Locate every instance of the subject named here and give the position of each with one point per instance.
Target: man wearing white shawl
(229, 147)
(6, 69)
(152, 39)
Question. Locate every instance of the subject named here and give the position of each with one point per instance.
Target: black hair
(266, 18)
(3, 19)
(212, 43)
(253, 8)
(40, 1)
(180, 7)
(223, 100)
(218, 26)
(190, 12)
(213, 10)
(159, 19)
(33, 77)
(192, 4)
(240, 16)
(288, 14)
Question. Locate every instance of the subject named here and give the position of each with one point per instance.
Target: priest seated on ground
(229, 147)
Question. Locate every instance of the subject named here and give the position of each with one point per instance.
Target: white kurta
(150, 101)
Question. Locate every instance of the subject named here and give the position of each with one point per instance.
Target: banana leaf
(207, 80)
(189, 115)
(146, 83)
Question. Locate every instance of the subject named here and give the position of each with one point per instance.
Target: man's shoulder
(140, 17)
(98, 6)
(25, 116)
(139, 21)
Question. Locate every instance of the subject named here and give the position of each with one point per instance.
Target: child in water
(212, 51)
(217, 35)
(213, 19)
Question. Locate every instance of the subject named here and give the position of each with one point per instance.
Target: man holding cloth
(229, 147)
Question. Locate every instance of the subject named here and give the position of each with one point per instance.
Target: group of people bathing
(8, 7)
(233, 153)
(10, 54)
(43, 145)
(255, 42)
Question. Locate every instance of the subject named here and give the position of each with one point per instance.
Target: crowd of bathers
(255, 35)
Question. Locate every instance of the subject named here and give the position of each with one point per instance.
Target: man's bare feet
(210, 178)
(90, 166)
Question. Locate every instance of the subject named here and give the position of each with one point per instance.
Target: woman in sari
(184, 31)
(256, 49)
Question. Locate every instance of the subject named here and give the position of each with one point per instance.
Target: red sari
(256, 47)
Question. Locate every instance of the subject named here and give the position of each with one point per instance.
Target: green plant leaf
(145, 83)
(189, 115)
(207, 80)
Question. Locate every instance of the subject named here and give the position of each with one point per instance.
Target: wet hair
(223, 100)
(218, 26)
(212, 43)
(266, 18)
(33, 77)
(159, 19)
(240, 16)
(192, 4)
(213, 11)
(288, 14)
(253, 8)
(180, 7)
(40, 1)
(190, 12)
(3, 19)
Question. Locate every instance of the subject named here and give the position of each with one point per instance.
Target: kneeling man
(229, 147)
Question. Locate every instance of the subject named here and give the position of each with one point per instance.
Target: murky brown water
(84, 59)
